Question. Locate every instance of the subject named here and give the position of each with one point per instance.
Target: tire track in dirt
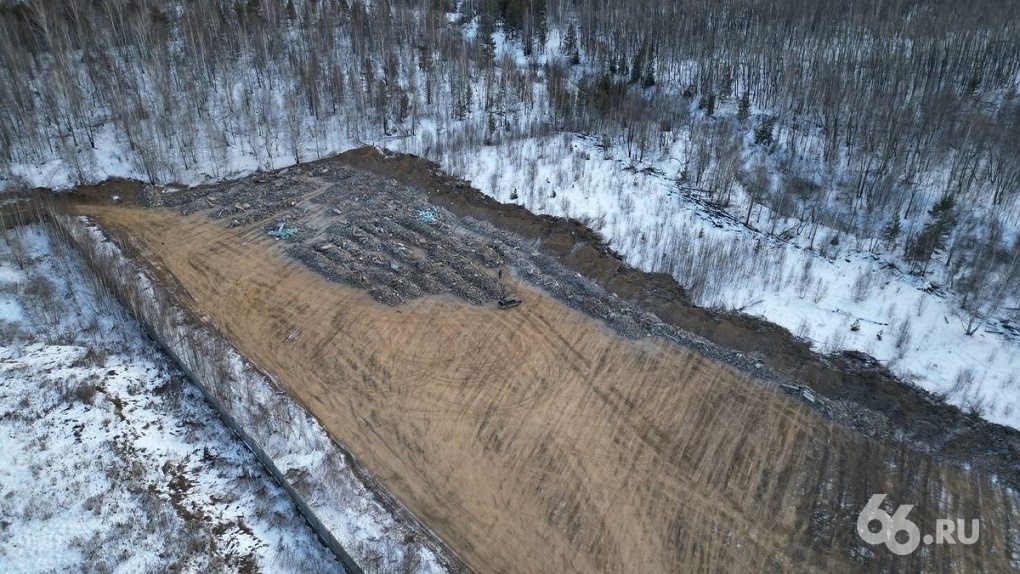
(536, 440)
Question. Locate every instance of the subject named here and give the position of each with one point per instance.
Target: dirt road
(536, 440)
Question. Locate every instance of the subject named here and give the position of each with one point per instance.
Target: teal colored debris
(428, 215)
(283, 232)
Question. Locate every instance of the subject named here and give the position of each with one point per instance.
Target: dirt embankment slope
(907, 413)
(537, 440)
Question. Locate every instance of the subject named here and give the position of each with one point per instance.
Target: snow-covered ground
(110, 461)
(819, 284)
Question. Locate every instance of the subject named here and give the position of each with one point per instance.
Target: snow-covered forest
(846, 170)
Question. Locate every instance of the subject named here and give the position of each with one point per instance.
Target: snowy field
(110, 461)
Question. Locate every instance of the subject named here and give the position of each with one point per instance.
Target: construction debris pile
(386, 238)
(361, 230)
(243, 201)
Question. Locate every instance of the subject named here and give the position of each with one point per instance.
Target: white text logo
(892, 526)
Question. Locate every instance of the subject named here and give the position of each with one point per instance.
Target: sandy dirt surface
(538, 440)
(859, 392)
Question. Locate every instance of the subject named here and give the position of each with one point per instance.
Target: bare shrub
(39, 290)
(921, 304)
(976, 408)
(903, 336)
(171, 392)
(11, 331)
(806, 277)
(862, 285)
(829, 248)
(803, 330)
(963, 383)
(85, 393)
(821, 290)
(93, 357)
(836, 341)
(1008, 383)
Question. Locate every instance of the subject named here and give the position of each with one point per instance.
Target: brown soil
(908, 414)
(537, 440)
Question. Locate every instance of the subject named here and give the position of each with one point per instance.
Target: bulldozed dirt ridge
(538, 439)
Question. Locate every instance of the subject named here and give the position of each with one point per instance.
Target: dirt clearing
(858, 391)
(539, 440)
